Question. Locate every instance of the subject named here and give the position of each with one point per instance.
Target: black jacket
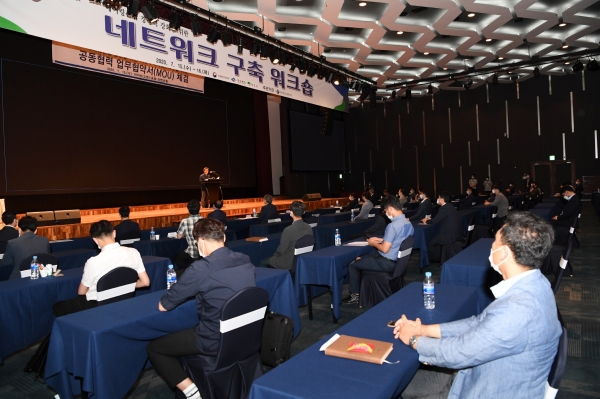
(423, 210)
(467, 202)
(570, 213)
(219, 215)
(450, 225)
(351, 205)
(6, 234)
(267, 212)
(126, 230)
(378, 229)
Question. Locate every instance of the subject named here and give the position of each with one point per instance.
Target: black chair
(128, 238)
(43, 258)
(562, 265)
(303, 245)
(231, 373)
(558, 366)
(469, 239)
(377, 286)
(116, 285)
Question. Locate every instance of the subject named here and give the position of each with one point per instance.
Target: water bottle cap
(34, 257)
(170, 266)
(427, 274)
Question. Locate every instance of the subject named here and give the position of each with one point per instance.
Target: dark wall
(390, 138)
(77, 139)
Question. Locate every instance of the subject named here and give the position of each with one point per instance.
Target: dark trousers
(163, 353)
(372, 262)
(204, 199)
(434, 250)
(75, 305)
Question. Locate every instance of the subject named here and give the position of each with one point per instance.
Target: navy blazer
(423, 210)
(20, 248)
(467, 202)
(219, 215)
(6, 234)
(569, 214)
(127, 226)
(450, 225)
(267, 212)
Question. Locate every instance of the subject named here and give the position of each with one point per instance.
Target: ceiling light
(196, 27)
(133, 7)
(213, 35)
(336, 81)
(471, 14)
(562, 24)
(500, 58)
(240, 46)
(445, 68)
(302, 67)
(150, 12)
(175, 21)
(567, 63)
(254, 49)
(312, 69)
(275, 57)
(488, 40)
(362, 3)
(264, 52)
(399, 32)
(426, 53)
(565, 45)
(592, 65)
(577, 66)
(226, 38)
(536, 72)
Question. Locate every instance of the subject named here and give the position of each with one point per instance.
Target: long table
(424, 233)
(471, 268)
(326, 267)
(257, 251)
(325, 235)
(262, 230)
(165, 247)
(74, 258)
(313, 375)
(26, 314)
(103, 350)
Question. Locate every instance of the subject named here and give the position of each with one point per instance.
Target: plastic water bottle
(35, 269)
(152, 234)
(254, 212)
(338, 238)
(428, 291)
(171, 277)
(352, 216)
(337, 203)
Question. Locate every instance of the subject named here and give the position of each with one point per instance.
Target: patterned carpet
(578, 300)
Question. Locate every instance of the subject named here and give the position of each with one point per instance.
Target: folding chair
(116, 285)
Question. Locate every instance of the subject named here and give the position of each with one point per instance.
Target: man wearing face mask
(351, 205)
(424, 207)
(570, 211)
(501, 202)
(366, 206)
(579, 188)
(384, 259)
(450, 227)
(507, 351)
(469, 201)
(212, 280)
(381, 222)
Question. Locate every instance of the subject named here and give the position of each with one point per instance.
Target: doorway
(549, 175)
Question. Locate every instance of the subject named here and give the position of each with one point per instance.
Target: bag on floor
(37, 363)
(276, 339)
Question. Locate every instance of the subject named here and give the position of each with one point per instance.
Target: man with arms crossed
(507, 351)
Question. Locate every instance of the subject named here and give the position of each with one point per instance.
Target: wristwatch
(412, 341)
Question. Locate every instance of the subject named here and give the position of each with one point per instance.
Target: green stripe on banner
(6, 24)
(341, 107)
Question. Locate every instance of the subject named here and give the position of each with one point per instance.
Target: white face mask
(389, 216)
(490, 258)
(566, 197)
(468, 193)
(200, 251)
(438, 201)
(421, 196)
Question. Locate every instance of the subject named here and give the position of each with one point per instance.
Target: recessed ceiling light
(565, 46)
(562, 24)
(311, 33)
(500, 58)
(399, 32)
(567, 63)
(445, 68)
(471, 14)
(362, 3)
(426, 53)
(488, 40)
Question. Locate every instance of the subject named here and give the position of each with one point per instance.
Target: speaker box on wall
(311, 197)
(68, 217)
(45, 218)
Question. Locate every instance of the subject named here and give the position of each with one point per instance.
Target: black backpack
(276, 339)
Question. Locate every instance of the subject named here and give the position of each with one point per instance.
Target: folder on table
(341, 347)
(257, 239)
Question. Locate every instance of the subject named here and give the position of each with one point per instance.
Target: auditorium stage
(166, 214)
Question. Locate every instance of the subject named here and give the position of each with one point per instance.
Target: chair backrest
(558, 366)
(564, 261)
(242, 318)
(470, 231)
(303, 245)
(494, 214)
(403, 256)
(116, 285)
(131, 234)
(43, 258)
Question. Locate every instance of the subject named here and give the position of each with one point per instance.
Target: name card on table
(274, 220)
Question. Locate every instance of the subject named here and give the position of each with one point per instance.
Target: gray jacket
(502, 203)
(284, 256)
(364, 211)
(23, 247)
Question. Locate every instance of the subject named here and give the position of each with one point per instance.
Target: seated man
(468, 201)
(284, 256)
(501, 202)
(401, 197)
(571, 210)
(450, 227)
(424, 207)
(127, 228)
(218, 214)
(384, 259)
(351, 205)
(507, 351)
(366, 206)
(579, 188)
(511, 189)
(213, 279)
(25, 246)
(186, 228)
(111, 256)
(533, 196)
(9, 231)
(268, 211)
(381, 222)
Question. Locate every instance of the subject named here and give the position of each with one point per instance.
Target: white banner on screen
(85, 25)
(97, 61)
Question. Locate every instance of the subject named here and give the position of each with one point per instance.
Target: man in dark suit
(570, 211)
(424, 207)
(351, 205)
(25, 246)
(579, 188)
(284, 256)
(9, 231)
(268, 211)
(450, 227)
(381, 222)
(203, 189)
(218, 214)
(469, 201)
(127, 229)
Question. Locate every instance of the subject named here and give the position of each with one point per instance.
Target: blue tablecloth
(471, 268)
(263, 230)
(313, 375)
(515, 201)
(335, 218)
(423, 235)
(411, 205)
(106, 346)
(75, 243)
(485, 214)
(257, 251)
(320, 212)
(26, 314)
(241, 227)
(165, 247)
(161, 231)
(328, 267)
(325, 235)
(544, 213)
(74, 258)
(465, 217)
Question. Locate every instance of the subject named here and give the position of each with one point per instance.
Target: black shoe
(352, 298)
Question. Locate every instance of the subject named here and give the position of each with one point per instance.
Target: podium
(214, 191)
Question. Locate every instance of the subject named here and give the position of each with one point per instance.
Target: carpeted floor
(578, 300)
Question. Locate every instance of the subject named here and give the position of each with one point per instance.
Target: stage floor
(167, 214)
